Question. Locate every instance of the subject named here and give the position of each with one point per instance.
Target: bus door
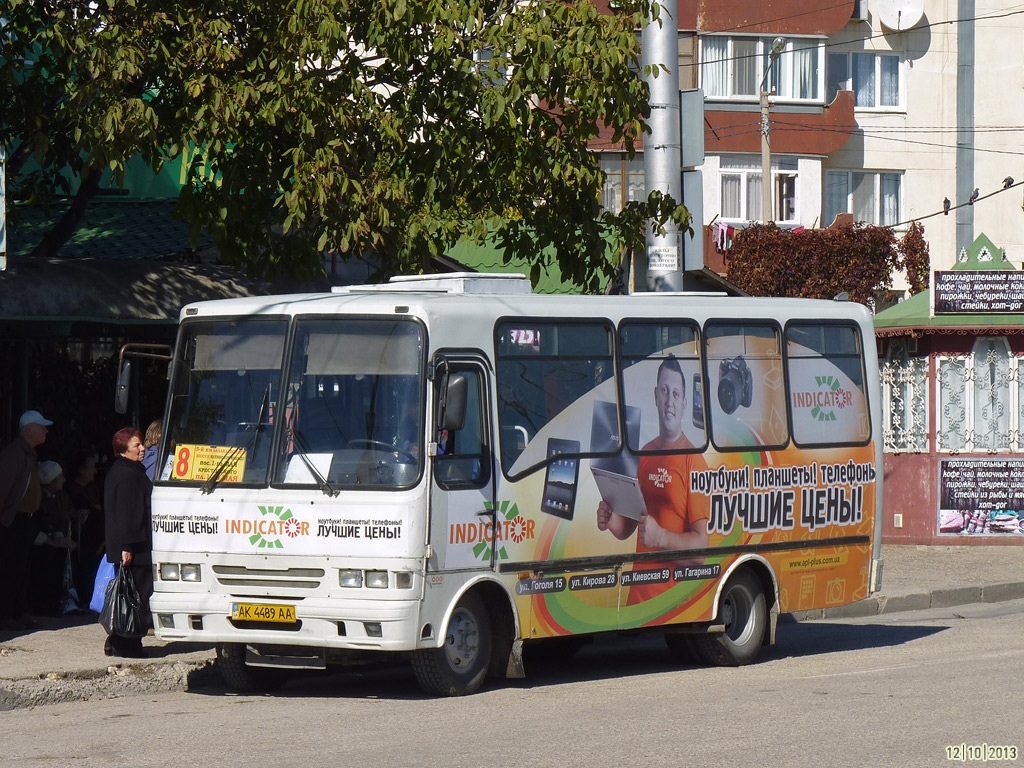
(464, 531)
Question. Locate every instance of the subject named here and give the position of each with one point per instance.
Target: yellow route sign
(198, 462)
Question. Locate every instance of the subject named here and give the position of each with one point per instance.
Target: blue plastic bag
(104, 574)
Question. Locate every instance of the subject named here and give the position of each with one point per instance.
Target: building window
(623, 179)
(979, 406)
(874, 79)
(732, 68)
(741, 189)
(905, 399)
(492, 68)
(872, 197)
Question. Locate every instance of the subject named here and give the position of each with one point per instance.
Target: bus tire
(742, 609)
(459, 666)
(243, 678)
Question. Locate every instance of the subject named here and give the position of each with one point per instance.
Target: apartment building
(883, 109)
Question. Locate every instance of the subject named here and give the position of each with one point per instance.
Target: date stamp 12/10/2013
(981, 753)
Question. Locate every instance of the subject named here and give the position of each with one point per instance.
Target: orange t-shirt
(665, 483)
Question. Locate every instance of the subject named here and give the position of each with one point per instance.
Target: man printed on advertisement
(674, 519)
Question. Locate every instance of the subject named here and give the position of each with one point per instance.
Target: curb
(939, 598)
(115, 681)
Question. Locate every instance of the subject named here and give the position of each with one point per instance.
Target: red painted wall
(765, 17)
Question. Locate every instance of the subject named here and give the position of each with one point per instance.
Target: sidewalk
(64, 661)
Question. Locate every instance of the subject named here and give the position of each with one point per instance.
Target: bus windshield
(226, 379)
(353, 404)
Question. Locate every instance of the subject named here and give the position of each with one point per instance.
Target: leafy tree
(338, 125)
(821, 263)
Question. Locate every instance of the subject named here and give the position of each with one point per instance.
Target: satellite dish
(900, 15)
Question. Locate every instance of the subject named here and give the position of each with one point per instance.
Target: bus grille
(234, 576)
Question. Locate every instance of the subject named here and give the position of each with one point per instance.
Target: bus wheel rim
(736, 610)
(462, 640)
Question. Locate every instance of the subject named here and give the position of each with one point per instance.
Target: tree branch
(65, 227)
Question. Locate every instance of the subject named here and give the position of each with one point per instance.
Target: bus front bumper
(385, 625)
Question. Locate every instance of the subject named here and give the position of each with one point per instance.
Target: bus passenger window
(827, 395)
(544, 369)
(649, 348)
(746, 388)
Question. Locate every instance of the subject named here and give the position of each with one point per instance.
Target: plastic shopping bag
(104, 575)
(122, 607)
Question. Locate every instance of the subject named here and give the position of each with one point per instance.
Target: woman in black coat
(129, 529)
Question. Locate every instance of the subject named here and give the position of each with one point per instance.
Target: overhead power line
(975, 201)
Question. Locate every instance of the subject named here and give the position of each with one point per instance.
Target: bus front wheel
(742, 610)
(459, 666)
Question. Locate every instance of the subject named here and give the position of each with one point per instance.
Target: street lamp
(778, 46)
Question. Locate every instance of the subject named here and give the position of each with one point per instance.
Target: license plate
(284, 614)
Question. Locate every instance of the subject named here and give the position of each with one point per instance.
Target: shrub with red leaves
(820, 263)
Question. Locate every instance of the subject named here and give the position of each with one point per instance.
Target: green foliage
(821, 263)
(342, 125)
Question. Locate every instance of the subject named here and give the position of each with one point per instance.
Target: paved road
(890, 690)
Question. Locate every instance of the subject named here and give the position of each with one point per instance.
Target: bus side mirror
(453, 413)
(124, 380)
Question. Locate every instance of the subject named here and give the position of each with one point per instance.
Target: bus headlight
(169, 572)
(377, 579)
(350, 578)
(191, 573)
(403, 580)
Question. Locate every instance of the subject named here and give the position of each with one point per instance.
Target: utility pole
(778, 46)
(662, 148)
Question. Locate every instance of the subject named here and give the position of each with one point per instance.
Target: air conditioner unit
(860, 11)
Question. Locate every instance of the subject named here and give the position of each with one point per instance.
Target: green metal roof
(110, 229)
(489, 257)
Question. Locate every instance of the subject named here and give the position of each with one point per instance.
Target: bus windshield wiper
(230, 459)
(323, 482)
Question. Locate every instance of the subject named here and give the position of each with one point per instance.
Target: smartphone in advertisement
(698, 402)
(559, 496)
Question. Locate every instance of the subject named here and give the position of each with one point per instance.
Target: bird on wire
(974, 196)
(1008, 182)
(945, 206)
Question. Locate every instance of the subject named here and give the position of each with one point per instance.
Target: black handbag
(122, 607)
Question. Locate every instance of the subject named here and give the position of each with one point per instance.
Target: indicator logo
(824, 401)
(273, 525)
(487, 537)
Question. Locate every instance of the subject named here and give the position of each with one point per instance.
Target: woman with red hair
(129, 530)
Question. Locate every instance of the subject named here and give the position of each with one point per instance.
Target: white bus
(449, 467)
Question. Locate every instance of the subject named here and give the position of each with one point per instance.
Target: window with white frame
(732, 68)
(873, 77)
(873, 197)
(492, 68)
(623, 179)
(905, 399)
(979, 399)
(741, 188)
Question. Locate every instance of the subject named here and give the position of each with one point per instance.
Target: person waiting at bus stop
(129, 530)
(673, 519)
(20, 495)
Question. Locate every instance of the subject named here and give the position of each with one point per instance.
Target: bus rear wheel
(459, 666)
(243, 678)
(742, 609)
